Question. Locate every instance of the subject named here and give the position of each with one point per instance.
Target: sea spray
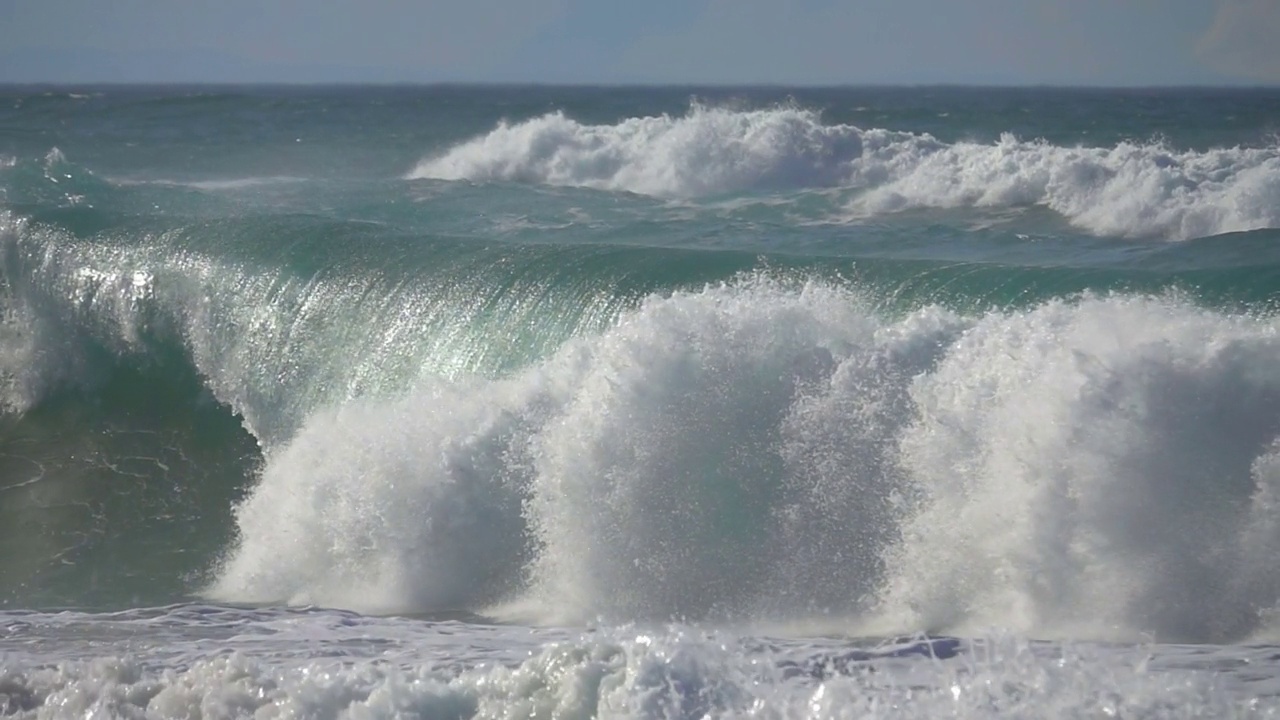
(1128, 190)
(1089, 467)
(754, 450)
(710, 151)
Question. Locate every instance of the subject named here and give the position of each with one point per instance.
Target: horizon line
(498, 84)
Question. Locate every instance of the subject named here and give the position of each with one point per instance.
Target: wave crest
(709, 151)
(1130, 190)
(1080, 468)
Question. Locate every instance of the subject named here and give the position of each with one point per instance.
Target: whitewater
(639, 402)
(1132, 189)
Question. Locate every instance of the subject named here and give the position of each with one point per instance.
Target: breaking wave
(569, 432)
(761, 450)
(1129, 190)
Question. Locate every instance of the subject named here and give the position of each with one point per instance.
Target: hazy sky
(1082, 42)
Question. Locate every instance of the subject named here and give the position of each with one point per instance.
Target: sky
(802, 42)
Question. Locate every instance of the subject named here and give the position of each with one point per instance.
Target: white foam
(694, 473)
(625, 472)
(710, 151)
(755, 450)
(639, 675)
(1129, 190)
(1093, 468)
(389, 507)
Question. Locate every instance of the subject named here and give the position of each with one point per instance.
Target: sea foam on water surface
(666, 674)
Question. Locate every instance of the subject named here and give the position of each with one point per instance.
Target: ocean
(571, 402)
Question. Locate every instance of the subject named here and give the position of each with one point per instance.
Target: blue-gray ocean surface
(639, 402)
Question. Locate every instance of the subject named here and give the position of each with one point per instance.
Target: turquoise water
(602, 387)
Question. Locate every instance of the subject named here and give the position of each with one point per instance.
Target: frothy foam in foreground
(1130, 190)
(660, 675)
(756, 450)
(420, 669)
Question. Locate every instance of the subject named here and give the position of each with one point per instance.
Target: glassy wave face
(893, 360)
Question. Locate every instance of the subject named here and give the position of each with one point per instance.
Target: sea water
(459, 402)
